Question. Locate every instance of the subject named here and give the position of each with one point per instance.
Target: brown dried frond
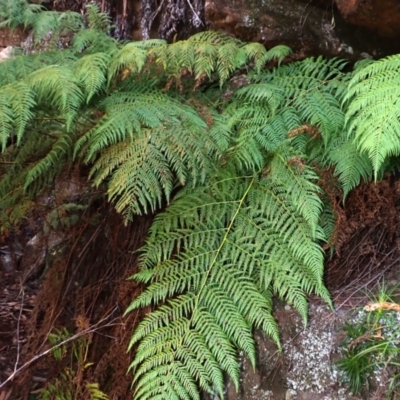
(298, 162)
(199, 81)
(203, 110)
(382, 305)
(306, 128)
(367, 240)
(81, 322)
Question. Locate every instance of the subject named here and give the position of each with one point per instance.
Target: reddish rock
(353, 29)
(11, 38)
(306, 27)
(382, 16)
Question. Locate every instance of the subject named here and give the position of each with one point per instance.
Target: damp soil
(73, 275)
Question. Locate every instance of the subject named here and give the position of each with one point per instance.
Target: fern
(90, 72)
(53, 162)
(373, 110)
(160, 126)
(16, 103)
(93, 41)
(97, 20)
(207, 53)
(351, 166)
(153, 143)
(131, 58)
(53, 24)
(17, 12)
(60, 87)
(221, 252)
(300, 99)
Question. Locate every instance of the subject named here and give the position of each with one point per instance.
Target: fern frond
(131, 58)
(16, 103)
(59, 87)
(97, 20)
(53, 23)
(210, 52)
(292, 172)
(127, 113)
(278, 53)
(288, 97)
(14, 13)
(144, 171)
(229, 57)
(90, 72)
(94, 392)
(93, 41)
(373, 113)
(219, 253)
(351, 166)
(322, 110)
(53, 162)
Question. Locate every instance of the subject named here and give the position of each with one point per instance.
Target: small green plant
(71, 383)
(371, 348)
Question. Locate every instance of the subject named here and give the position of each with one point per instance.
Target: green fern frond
(210, 52)
(351, 166)
(144, 170)
(206, 55)
(373, 113)
(20, 66)
(277, 53)
(90, 72)
(16, 103)
(229, 57)
(286, 98)
(305, 75)
(53, 162)
(97, 20)
(219, 253)
(14, 13)
(322, 110)
(292, 172)
(93, 41)
(59, 87)
(53, 23)
(127, 113)
(132, 58)
(94, 392)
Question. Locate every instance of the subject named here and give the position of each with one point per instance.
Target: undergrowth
(235, 180)
(371, 347)
(72, 383)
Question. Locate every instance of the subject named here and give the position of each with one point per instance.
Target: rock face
(345, 28)
(382, 16)
(11, 38)
(309, 27)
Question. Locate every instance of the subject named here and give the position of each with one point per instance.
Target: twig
(154, 15)
(195, 14)
(91, 329)
(375, 278)
(18, 330)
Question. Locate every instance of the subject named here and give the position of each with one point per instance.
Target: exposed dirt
(78, 283)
